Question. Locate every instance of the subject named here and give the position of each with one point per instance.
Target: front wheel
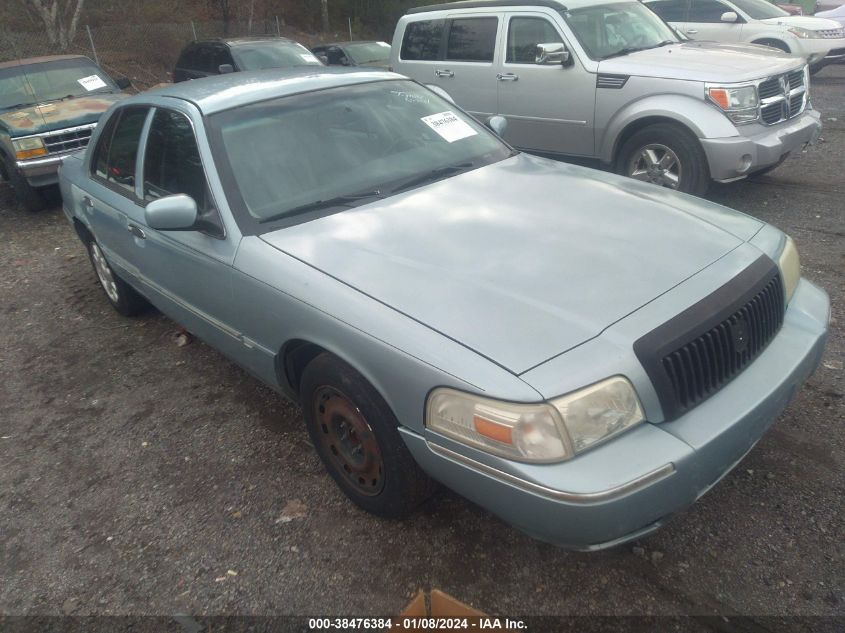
(667, 155)
(356, 436)
(121, 295)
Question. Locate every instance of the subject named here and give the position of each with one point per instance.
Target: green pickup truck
(48, 108)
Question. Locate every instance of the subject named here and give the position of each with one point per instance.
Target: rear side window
(172, 161)
(472, 39)
(422, 40)
(121, 149)
(670, 10)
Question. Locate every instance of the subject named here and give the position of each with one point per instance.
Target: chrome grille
(782, 97)
(68, 140)
(830, 34)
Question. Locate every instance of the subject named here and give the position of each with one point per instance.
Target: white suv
(817, 40)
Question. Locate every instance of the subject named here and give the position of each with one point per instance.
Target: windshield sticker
(449, 126)
(91, 82)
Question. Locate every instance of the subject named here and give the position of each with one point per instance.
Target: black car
(215, 57)
(369, 54)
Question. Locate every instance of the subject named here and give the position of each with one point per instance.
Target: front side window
(670, 10)
(116, 153)
(472, 39)
(760, 9)
(328, 150)
(524, 34)
(273, 54)
(707, 11)
(172, 161)
(422, 40)
(610, 30)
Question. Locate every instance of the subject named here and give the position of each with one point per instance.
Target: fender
(701, 118)
(778, 34)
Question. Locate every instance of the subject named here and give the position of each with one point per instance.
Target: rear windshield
(368, 52)
(261, 55)
(28, 84)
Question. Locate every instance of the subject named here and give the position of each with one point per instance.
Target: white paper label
(92, 82)
(384, 44)
(449, 126)
(308, 57)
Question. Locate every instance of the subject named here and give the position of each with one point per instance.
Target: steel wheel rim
(104, 273)
(657, 164)
(349, 441)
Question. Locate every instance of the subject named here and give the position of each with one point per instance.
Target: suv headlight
(29, 147)
(546, 432)
(739, 103)
(790, 268)
(804, 34)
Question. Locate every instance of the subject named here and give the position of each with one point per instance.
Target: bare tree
(325, 15)
(60, 18)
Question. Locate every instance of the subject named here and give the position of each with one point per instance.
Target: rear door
(549, 108)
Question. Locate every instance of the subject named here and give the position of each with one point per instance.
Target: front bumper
(736, 157)
(627, 487)
(40, 172)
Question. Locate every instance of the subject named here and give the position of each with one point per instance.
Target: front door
(549, 108)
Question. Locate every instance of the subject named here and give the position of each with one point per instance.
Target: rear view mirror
(172, 213)
(225, 69)
(729, 16)
(498, 124)
(123, 82)
(553, 54)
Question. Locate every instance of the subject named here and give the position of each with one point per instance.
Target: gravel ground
(140, 477)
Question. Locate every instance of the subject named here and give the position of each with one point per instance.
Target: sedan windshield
(609, 30)
(270, 54)
(368, 52)
(28, 84)
(760, 9)
(320, 152)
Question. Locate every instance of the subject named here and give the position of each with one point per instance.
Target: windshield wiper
(431, 176)
(347, 200)
(633, 49)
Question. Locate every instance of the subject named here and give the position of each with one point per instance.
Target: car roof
(236, 41)
(40, 60)
(223, 92)
(342, 44)
(557, 5)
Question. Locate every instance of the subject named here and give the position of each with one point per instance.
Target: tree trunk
(60, 19)
(325, 15)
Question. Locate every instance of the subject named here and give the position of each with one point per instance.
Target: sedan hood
(55, 115)
(523, 259)
(810, 22)
(703, 61)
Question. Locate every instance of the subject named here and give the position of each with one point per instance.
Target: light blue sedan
(579, 353)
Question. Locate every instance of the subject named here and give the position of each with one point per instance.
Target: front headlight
(545, 432)
(790, 267)
(739, 103)
(804, 34)
(29, 147)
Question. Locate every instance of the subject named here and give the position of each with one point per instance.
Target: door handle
(692, 31)
(443, 73)
(507, 77)
(137, 231)
(87, 202)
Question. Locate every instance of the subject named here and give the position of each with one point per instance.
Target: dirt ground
(141, 477)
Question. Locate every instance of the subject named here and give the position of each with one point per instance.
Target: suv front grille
(68, 140)
(689, 359)
(782, 97)
(830, 34)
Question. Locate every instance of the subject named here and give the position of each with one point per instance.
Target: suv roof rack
(482, 4)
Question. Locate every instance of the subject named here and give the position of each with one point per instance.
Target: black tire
(693, 173)
(781, 46)
(31, 198)
(383, 477)
(121, 295)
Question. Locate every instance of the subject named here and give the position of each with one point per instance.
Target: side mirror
(225, 69)
(172, 213)
(123, 82)
(554, 54)
(440, 92)
(729, 16)
(498, 124)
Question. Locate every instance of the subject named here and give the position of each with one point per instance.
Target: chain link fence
(145, 53)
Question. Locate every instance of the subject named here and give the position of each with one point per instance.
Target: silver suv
(612, 81)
